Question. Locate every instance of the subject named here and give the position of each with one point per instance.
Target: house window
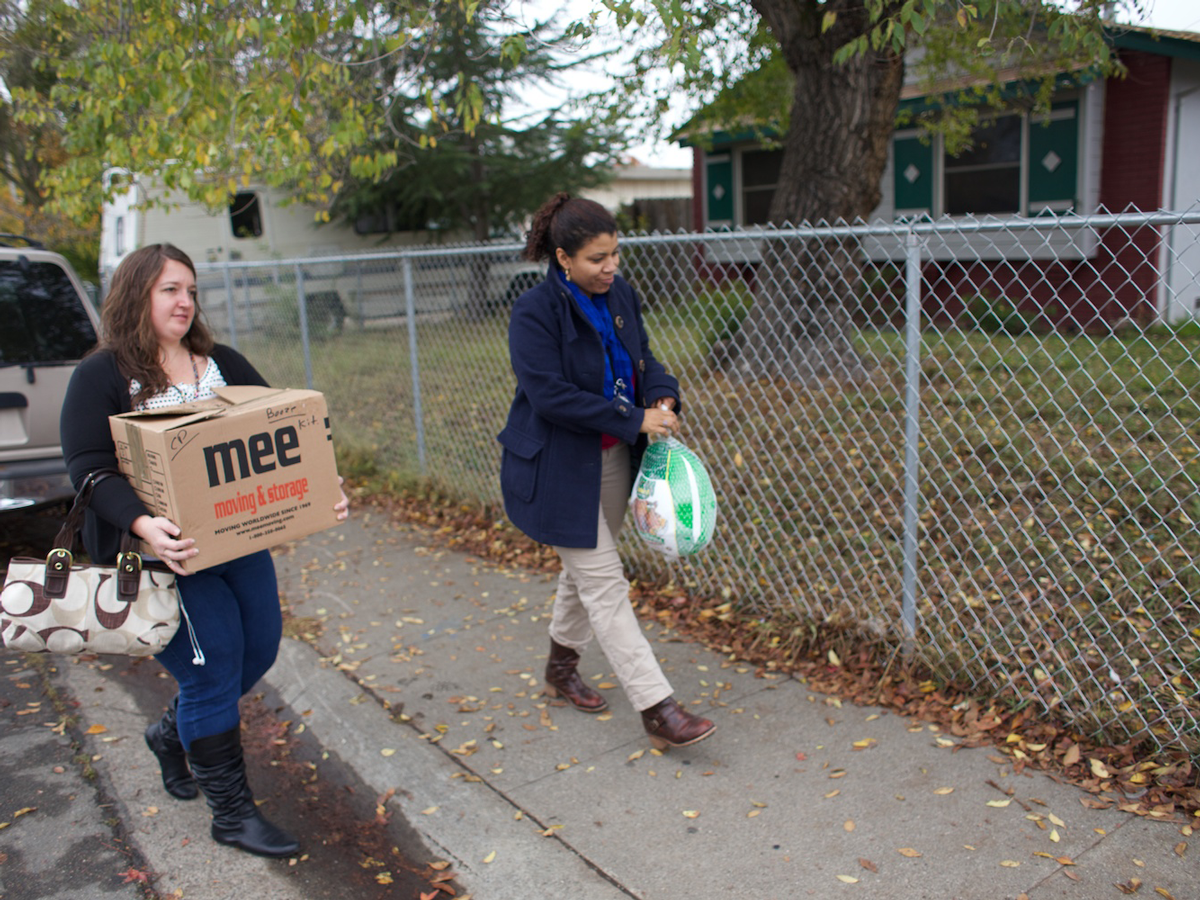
(245, 215)
(760, 175)
(119, 236)
(986, 178)
(1017, 164)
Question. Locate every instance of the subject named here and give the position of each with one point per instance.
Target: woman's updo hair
(567, 222)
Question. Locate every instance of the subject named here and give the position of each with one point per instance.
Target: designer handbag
(56, 605)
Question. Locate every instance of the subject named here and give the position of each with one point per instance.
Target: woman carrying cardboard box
(155, 352)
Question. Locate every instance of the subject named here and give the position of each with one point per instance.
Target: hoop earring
(567, 274)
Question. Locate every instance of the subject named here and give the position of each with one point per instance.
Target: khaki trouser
(593, 595)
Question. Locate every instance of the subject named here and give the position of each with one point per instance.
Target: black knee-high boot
(163, 740)
(220, 770)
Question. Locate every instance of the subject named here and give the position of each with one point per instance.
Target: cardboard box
(242, 472)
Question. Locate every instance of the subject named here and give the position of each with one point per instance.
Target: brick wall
(1135, 134)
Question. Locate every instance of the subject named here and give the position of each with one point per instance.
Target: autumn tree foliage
(344, 105)
(471, 155)
(835, 71)
(208, 98)
(27, 150)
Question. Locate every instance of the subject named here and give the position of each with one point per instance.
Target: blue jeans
(234, 609)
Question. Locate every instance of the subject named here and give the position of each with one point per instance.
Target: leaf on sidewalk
(135, 875)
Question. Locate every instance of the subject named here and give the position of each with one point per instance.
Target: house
(1107, 145)
(634, 181)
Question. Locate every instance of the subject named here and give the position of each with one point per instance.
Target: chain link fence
(974, 439)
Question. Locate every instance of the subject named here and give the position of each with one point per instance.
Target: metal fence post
(230, 308)
(410, 312)
(358, 295)
(248, 301)
(302, 300)
(912, 432)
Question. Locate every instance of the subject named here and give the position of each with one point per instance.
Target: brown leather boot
(562, 678)
(670, 725)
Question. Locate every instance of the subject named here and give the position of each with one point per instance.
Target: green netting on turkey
(674, 507)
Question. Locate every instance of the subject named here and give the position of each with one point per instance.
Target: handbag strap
(69, 532)
(60, 558)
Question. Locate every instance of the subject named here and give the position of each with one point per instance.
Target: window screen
(760, 175)
(987, 177)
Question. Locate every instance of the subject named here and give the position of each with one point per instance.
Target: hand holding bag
(56, 605)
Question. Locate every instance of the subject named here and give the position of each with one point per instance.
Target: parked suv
(47, 323)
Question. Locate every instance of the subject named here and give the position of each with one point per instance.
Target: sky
(1172, 15)
(1175, 15)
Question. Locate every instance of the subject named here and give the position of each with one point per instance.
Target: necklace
(195, 375)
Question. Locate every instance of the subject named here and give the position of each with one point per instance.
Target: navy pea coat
(550, 464)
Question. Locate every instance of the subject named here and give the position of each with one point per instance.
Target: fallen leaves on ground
(1157, 784)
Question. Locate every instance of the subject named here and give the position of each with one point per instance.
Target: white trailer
(253, 254)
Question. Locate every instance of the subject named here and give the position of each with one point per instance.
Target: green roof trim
(1011, 91)
(1175, 44)
(724, 139)
(1171, 44)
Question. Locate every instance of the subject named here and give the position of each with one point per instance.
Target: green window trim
(1054, 160)
(718, 189)
(912, 174)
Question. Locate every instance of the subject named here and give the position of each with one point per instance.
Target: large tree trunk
(834, 154)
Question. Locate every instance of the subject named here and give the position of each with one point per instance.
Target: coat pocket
(519, 463)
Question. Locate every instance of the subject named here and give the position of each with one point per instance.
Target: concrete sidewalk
(427, 682)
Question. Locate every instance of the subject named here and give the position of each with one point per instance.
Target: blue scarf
(617, 364)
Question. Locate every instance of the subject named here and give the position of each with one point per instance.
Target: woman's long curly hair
(127, 330)
(567, 222)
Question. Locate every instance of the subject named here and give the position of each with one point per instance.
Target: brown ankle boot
(670, 725)
(562, 678)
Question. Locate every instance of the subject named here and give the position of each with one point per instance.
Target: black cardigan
(98, 390)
